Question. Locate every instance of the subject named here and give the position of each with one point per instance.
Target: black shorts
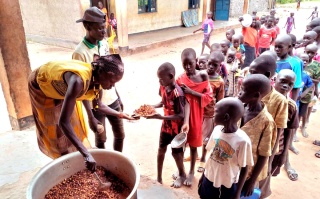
(206, 190)
(165, 140)
(303, 108)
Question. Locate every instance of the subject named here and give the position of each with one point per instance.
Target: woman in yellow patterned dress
(54, 89)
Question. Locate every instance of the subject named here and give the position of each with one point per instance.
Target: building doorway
(221, 10)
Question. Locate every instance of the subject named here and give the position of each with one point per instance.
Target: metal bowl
(67, 165)
(179, 140)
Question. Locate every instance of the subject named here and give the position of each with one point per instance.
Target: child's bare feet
(294, 150)
(189, 179)
(175, 175)
(159, 180)
(178, 182)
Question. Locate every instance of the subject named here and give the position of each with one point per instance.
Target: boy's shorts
(206, 190)
(165, 140)
(206, 38)
(303, 108)
(207, 128)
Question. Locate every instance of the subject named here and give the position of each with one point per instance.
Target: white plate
(247, 20)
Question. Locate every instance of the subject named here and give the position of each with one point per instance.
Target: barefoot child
(259, 126)
(284, 84)
(290, 23)
(277, 106)
(217, 86)
(314, 14)
(230, 153)
(197, 90)
(207, 28)
(173, 104)
(232, 65)
(306, 95)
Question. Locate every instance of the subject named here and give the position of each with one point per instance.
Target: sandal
(316, 142)
(304, 132)
(292, 174)
(201, 167)
(317, 154)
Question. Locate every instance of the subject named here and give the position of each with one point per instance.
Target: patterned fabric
(173, 103)
(289, 24)
(190, 17)
(262, 131)
(307, 83)
(313, 70)
(46, 111)
(217, 86)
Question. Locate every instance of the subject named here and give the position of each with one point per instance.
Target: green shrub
(286, 1)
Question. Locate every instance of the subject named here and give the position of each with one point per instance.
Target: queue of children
(247, 123)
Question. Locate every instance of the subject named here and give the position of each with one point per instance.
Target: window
(147, 6)
(194, 4)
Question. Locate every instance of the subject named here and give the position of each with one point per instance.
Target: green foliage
(286, 1)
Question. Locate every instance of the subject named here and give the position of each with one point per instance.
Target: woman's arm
(75, 86)
(109, 111)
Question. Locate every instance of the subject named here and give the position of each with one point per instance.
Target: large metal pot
(67, 165)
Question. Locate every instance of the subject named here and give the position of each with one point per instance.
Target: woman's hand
(90, 163)
(127, 116)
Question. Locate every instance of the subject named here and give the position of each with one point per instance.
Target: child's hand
(186, 89)
(155, 116)
(185, 128)
(248, 188)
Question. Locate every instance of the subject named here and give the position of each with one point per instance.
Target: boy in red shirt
(267, 34)
(173, 102)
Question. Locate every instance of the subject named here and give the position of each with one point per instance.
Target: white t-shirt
(228, 153)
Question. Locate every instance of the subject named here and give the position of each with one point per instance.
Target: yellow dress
(47, 89)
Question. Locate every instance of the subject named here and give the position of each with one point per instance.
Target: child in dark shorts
(173, 102)
(306, 94)
(284, 84)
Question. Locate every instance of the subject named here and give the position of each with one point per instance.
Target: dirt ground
(140, 86)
